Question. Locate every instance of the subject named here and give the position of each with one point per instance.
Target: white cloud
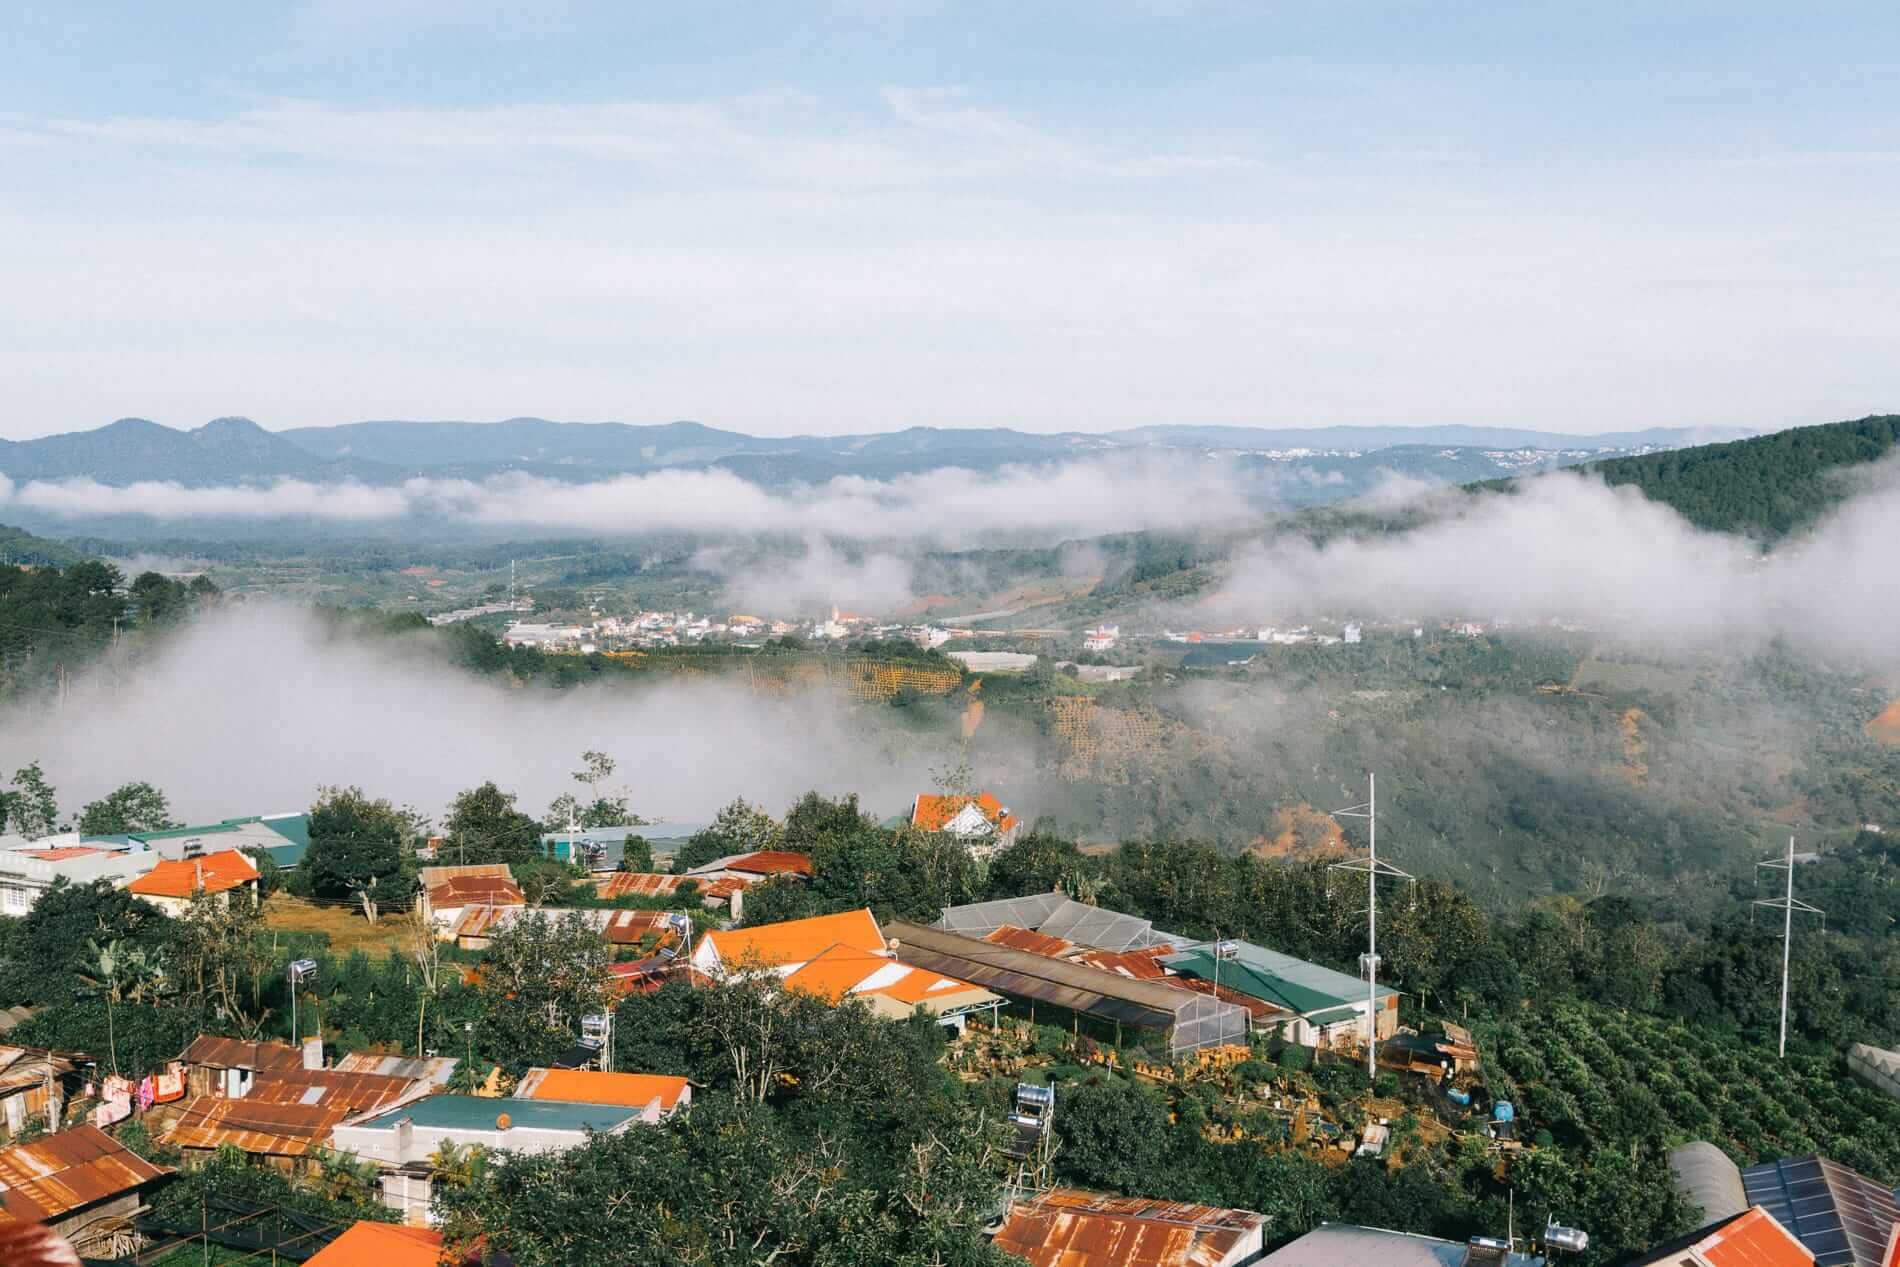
(251, 709)
(1077, 498)
(1568, 547)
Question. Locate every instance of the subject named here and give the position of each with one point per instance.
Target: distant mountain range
(237, 450)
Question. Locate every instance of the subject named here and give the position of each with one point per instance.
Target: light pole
(301, 970)
(1787, 905)
(1369, 962)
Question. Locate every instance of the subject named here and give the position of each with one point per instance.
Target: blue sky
(855, 216)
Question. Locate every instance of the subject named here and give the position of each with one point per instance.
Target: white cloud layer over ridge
(1568, 547)
(1079, 498)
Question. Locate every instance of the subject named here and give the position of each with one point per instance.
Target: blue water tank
(1502, 1111)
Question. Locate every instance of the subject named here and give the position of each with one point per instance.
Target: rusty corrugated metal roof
(234, 1053)
(1071, 1228)
(29, 1066)
(1032, 941)
(281, 1130)
(638, 884)
(67, 1171)
(330, 1088)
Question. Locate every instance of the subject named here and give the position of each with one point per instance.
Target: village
(1250, 1047)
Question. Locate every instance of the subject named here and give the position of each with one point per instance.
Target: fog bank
(250, 709)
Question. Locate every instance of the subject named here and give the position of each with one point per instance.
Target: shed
(1067, 1227)
(82, 1183)
(1191, 1020)
(1058, 915)
(1347, 1245)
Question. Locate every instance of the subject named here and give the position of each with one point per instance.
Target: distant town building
(980, 821)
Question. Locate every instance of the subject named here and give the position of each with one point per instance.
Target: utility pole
(1787, 904)
(1369, 962)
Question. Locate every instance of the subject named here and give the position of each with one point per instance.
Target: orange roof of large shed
(183, 877)
(797, 940)
(590, 1086)
(1753, 1239)
(381, 1245)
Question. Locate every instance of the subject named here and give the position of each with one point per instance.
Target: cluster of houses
(1069, 963)
(165, 867)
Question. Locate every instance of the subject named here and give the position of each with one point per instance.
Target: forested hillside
(19, 546)
(1766, 487)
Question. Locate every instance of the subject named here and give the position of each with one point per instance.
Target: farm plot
(1592, 1075)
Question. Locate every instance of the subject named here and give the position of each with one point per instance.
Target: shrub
(1296, 1059)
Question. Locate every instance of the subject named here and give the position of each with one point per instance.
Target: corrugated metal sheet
(1058, 915)
(330, 1088)
(25, 1067)
(637, 884)
(1069, 1228)
(234, 1053)
(278, 1130)
(433, 1069)
(1032, 941)
(1145, 1004)
(58, 1174)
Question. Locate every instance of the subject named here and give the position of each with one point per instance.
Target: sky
(853, 216)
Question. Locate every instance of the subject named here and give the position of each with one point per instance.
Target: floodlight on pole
(300, 971)
(1369, 962)
(1787, 904)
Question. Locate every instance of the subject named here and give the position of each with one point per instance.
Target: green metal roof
(1238, 976)
(1290, 983)
(293, 829)
(478, 1113)
(1331, 1016)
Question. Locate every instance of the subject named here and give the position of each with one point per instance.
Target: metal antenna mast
(1369, 962)
(1787, 904)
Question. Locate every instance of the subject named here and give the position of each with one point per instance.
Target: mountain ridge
(235, 449)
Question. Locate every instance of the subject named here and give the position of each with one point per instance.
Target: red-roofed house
(981, 821)
(173, 883)
(447, 892)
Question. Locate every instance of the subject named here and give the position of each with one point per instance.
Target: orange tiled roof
(60, 853)
(933, 813)
(796, 940)
(182, 877)
(57, 1174)
(590, 1086)
(1753, 1239)
(722, 890)
(381, 1245)
(843, 971)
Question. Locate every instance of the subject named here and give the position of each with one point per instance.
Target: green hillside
(18, 546)
(1766, 487)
